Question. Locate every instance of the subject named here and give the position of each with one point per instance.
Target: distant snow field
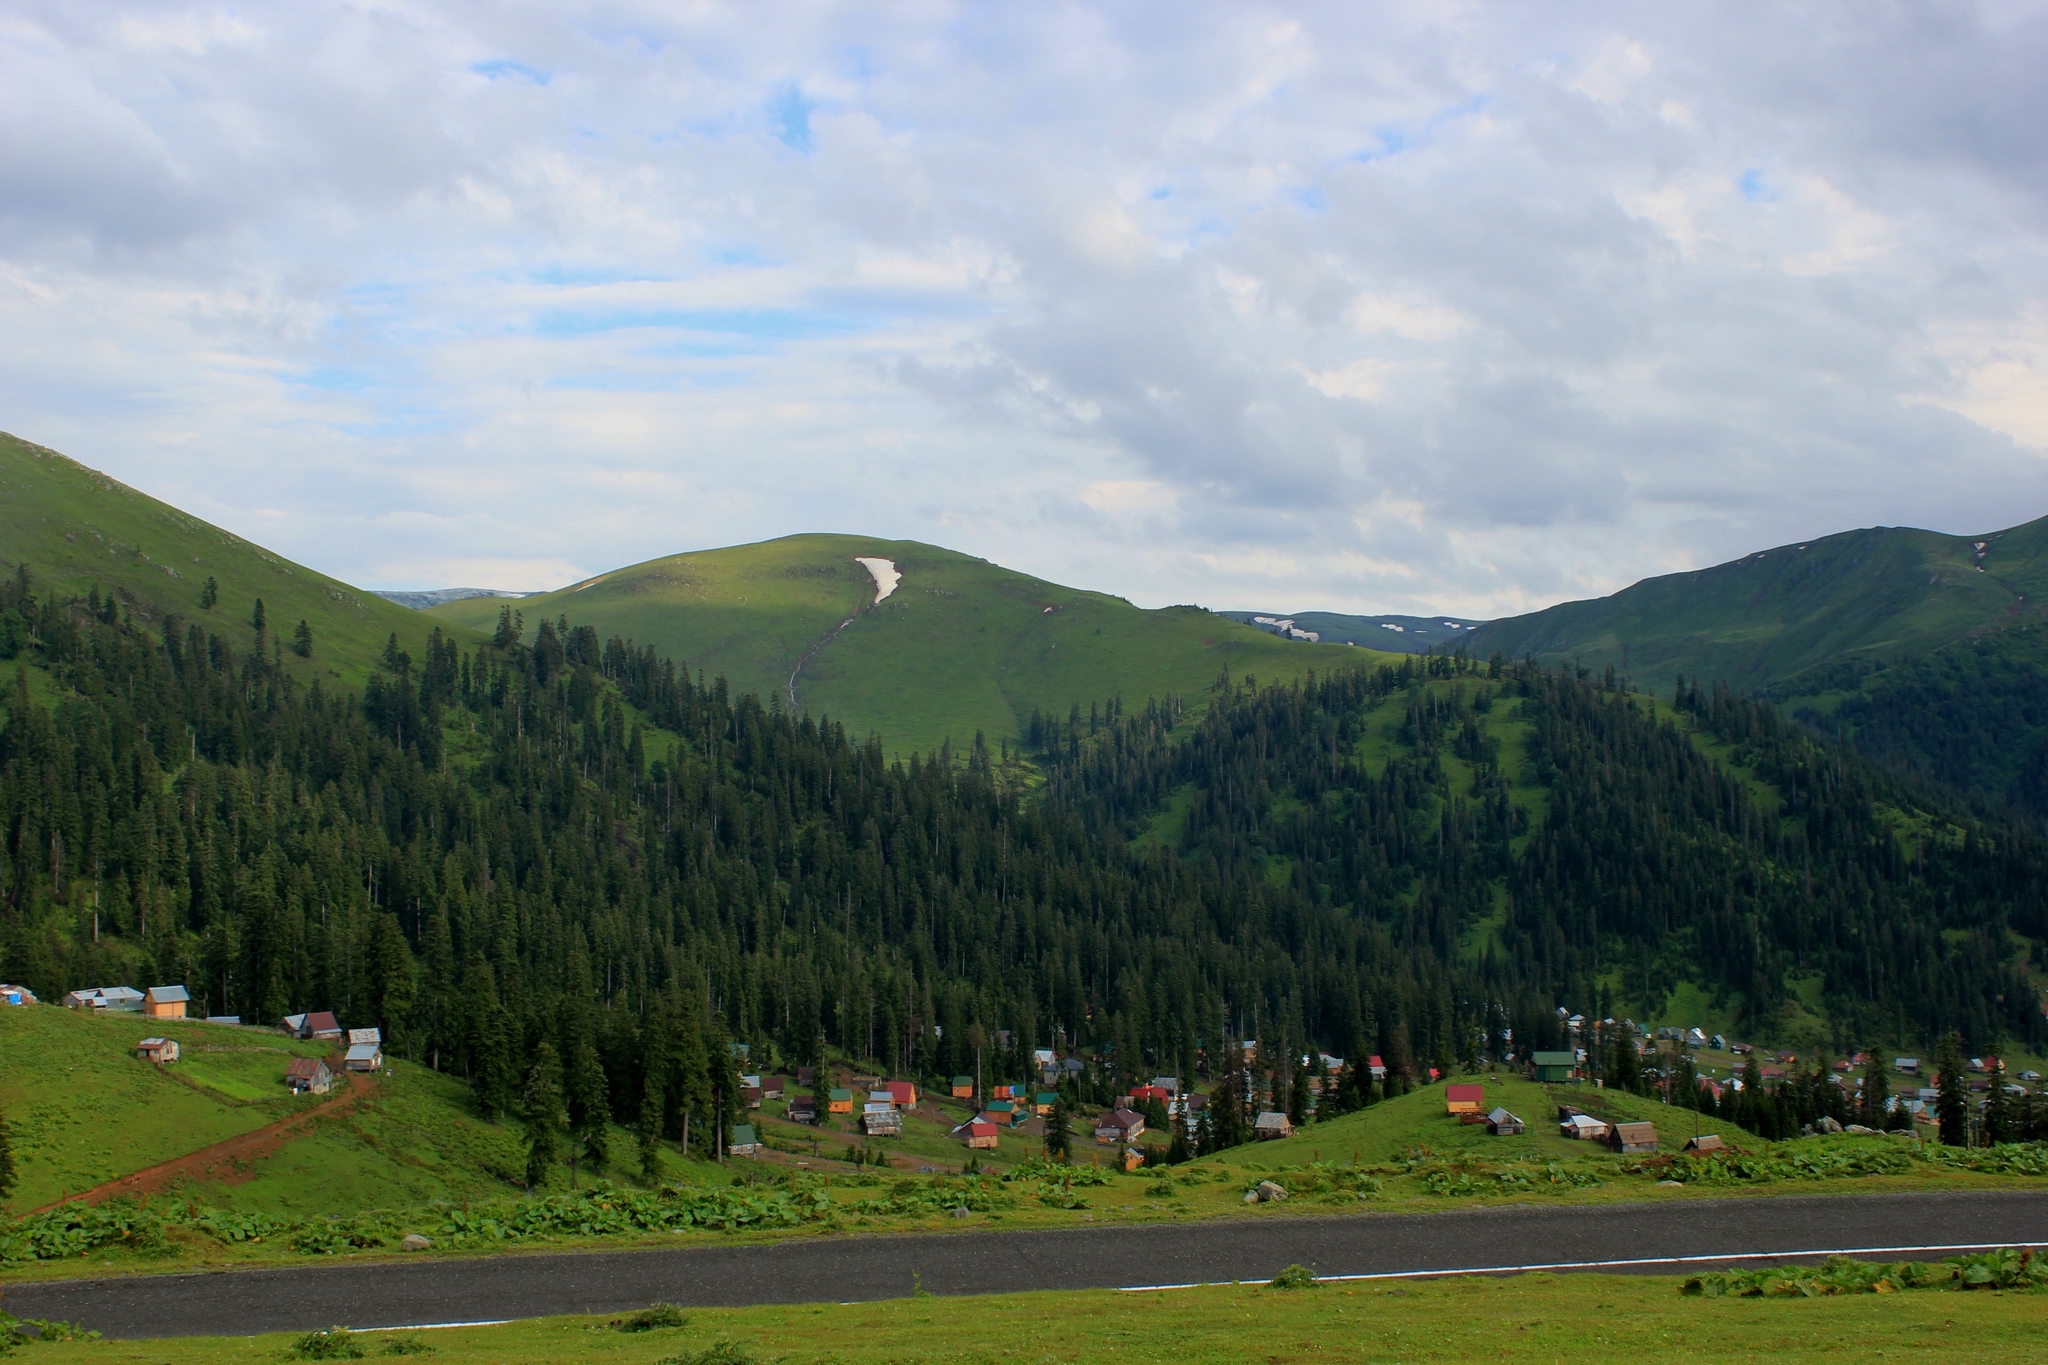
(884, 571)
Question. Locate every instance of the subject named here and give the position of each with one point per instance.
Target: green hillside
(83, 1110)
(960, 646)
(1770, 617)
(78, 530)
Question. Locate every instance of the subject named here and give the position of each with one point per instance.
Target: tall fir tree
(541, 1107)
(1059, 1130)
(7, 1171)
(1877, 1091)
(1952, 1091)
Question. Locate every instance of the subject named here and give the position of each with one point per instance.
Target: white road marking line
(1597, 1265)
(436, 1326)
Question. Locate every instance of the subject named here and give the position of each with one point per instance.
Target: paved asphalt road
(1659, 1237)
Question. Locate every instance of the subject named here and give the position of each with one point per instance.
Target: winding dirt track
(219, 1162)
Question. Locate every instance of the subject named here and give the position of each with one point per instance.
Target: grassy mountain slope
(1769, 617)
(1394, 634)
(962, 645)
(77, 528)
(84, 1110)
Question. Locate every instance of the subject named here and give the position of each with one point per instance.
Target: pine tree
(1228, 1126)
(1623, 1068)
(209, 594)
(256, 616)
(1952, 1092)
(302, 640)
(590, 1111)
(394, 982)
(1298, 1095)
(2001, 1115)
(1876, 1105)
(1178, 1150)
(7, 1174)
(649, 1130)
(541, 1107)
(1058, 1131)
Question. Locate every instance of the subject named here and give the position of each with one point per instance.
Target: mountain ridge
(962, 646)
(1765, 618)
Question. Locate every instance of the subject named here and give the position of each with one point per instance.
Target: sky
(1430, 307)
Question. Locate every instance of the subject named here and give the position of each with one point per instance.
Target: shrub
(1294, 1277)
(652, 1318)
(721, 1353)
(336, 1343)
(2006, 1269)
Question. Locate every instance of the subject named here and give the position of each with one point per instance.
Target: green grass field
(961, 646)
(84, 1109)
(1593, 1319)
(77, 528)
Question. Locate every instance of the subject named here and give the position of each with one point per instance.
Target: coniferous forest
(552, 840)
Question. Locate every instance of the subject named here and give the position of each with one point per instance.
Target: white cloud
(1416, 307)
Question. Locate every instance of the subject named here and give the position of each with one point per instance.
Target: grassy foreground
(1580, 1318)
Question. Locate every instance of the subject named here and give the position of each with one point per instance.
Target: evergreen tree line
(579, 877)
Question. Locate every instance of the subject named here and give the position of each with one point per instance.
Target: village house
(744, 1140)
(750, 1097)
(902, 1094)
(803, 1109)
(1001, 1111)
(162, 1051)
(1042, 1103)
(1465, 1102)
(1271, 1125)
(1133, 1158)
(1377, 1067)
(981, 1134)
(320, 1024)
(839, 1100)
(1141, 1093)
(1170, 1084)
(165, 1002)
(359, 1036)
(17, 995)
(364, 1057)
(1553, 1067)
(1583, 1126)
(1501, 1123)
(308, 1076)
(963, 1087)
(1706, 1142)
(1119, 1125)
(881, 1119)
(1633, 1139)
(124, 999)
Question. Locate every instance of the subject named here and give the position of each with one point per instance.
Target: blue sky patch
(789, 114)
(499, 67)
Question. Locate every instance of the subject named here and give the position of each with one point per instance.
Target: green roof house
(1555, 1066)
(744, 1143)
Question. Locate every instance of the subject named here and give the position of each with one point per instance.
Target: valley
(597, 863)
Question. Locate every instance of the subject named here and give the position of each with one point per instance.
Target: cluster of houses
(364, 1047)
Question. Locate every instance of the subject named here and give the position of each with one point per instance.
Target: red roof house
(1465, 1099)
